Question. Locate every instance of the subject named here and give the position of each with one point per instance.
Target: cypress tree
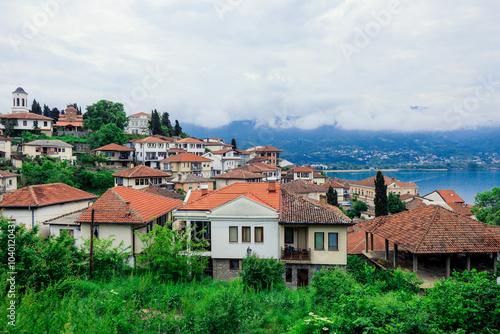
(155, 123)
(380, 195)
(165, 121)
(35, 108)
(233, 142)
(332, 196)
(46, 110)
(177, 129)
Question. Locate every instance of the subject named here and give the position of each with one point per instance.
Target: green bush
(107, 259)
(261, 273)
(329, 283)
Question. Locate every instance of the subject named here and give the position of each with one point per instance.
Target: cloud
(282, 63)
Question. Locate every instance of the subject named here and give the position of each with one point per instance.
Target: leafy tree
(107, 259)
(487, 209)
(165, 122)
(380, 195)
(155, 123)
(9, 124)
(330, 282)
(105, 112)
(395, 204)
(332, 196)
(177, 129)
(233, 142)
(46, 110)
(173, 254)
(107, 134)
(35, 107)
(54, 114)
(261, 273)
(357, 208)
(35, 127)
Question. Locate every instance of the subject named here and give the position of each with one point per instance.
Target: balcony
(290, 253)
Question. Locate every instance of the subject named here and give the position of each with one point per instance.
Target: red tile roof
(256, 191)
(266, 148)
(302, 186)
(450, 196)
(75, 124)
(191, 140)
(300, 210)
(334, 184)
(239, 174)
(27, 115)
(4, 173)
(141, 171)
(111, 207)
(154, 139)
(370, 182)
(302, 170)
(461, 208)
(222, 151)
(114, 147)
(434, 229)
(44, 194)
(161, 192)
(190, 178)
(415, 204)
(140, 114)
(186, 157)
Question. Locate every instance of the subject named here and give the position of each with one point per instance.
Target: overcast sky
(424, 65)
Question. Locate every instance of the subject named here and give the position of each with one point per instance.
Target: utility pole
(91, 243)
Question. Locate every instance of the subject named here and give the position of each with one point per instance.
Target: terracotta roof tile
(300, 210)
(330, 182)
(190, 140)
(190, 178)
(44, 194)
(140, 114)
(370, 182)
(266, 148)
(4, 173)
(450, 196)
(114, 147)
(154, 139)
(434, 229)
(161, 192)
(48, 143)
(111, 207)
(141, 171)
(185, 157)
(302, 186)
(27, 115)
(239, 175)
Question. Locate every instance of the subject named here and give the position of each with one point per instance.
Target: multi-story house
(192, 182)
(305, 189)
(223, 160)
(5, 147)
(50, 148)
(260, 218)
(266, 153)
(236, 175)
(149, 151)
(140, 177)
(216, 144)
(270, 172)
(365, 189)
(138, 123)
(187, 163)
(116, 155)
(341, 189)
(299, 173)
(191, 145)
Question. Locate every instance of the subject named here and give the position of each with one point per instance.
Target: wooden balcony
(295, 254)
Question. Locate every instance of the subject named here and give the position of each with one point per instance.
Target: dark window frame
(287, 241)
(243, 228)
(232, 227)
(255, 234)
(231, 264)
(315, 240)
(337, 246)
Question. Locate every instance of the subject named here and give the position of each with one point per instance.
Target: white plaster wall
(55, 231)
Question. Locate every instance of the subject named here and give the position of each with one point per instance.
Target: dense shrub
(261, 273)
(329, 284)
(107, 259)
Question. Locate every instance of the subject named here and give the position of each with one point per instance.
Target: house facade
(50, 148)
(187, 163)
(116, 156)
(138, 123)
(191, 145)
(237, 175)
(8, 181)
(223, 160)
(365, 189)
(141, 176)
(27, 122)
(149, 151)
(192, 182)
(5, 147)
(267, 153)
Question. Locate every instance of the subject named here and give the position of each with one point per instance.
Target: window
(142, 182)
(288, 275)
(233, 233)
(119, 181)
(96, 232)
(45, 123)
(245, 234)
(64, 150)
(25, 123)
(136, 182)
(319, 239)
(234, 264)
(333, 241)
(288, 235)
(259, 234)
(71, 233)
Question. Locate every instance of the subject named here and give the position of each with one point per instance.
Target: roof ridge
(33, 196)
(136, 214)
(427, 229)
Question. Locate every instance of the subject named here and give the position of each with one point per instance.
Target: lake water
(466, 183)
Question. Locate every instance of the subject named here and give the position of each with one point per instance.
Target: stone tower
(20, 101)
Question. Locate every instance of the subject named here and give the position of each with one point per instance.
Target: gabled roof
(190, 178)
(48, 143)
(190, 140)
(222, 151)
(4, 173)
(27, 115)
(434, 229)
(299, 210)
(154, 139)
(43, 195)
(266, 148)
(302, 170)
(449, 196)
(111, 207)
(140, 114)
(161, 192)
(259, 167)
(239, 174)
(370, 182)
(331, 182)
(186, 157)
(141, 171)
(302, 187)
(114, 147)
(258, 192)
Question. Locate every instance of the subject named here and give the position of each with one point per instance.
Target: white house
(223, 160)
(50, 148)
(138, 123)
(191, 145)
(150, 150)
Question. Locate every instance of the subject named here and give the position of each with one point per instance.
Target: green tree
(487, 206)
(332, 196)
(165, 122)
(233, 142)
(395, 204)
(380, 195)
(46, 111)
(35, 107)
(357, 208)
(155, 123)
(9, 124)
(54, 114)
(107, 134)
(173, 254)
(105, 112)
(177, 129)
(35, 127)
(261, 273)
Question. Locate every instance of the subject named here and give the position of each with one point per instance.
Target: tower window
(23, 101)
(18, 102)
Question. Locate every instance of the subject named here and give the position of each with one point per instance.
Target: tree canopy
(380, 195)
(35, 108)
(233, 142)
(105, 112)
(166, 124)
(107, 134)
(155, 124)
(332, 196)
(487, 209)
(395, 204)
(177, 129)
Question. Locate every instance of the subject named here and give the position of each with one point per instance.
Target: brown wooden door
(302, 277)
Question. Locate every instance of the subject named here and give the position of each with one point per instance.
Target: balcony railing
(295, 254)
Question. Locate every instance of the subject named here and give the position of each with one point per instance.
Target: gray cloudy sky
(355, 64)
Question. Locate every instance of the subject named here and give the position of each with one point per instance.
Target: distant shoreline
(382, 170)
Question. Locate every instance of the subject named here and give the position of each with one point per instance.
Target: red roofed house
(8, 181)
(121, 211)
(69, 122)
(34, 204)
(191, 145)
(149, 151)
(450, 200)
(299, 173)
(226, 159)
(305, 189)
(138, 123)
(117, 155)
(236, 175)
(51, 148)
(260, 218)
(141, 176)
(187, 163)
(366, 188)
(269, 153)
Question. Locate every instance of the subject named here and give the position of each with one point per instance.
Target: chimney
(322, 199)
(127, 209)
(204, 189)
(271, 186)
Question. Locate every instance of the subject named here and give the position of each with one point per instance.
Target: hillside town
(241, 201)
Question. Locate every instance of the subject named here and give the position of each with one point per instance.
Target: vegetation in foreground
(55, 295)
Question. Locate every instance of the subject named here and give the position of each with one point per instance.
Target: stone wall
(312, 269)
(222, 271)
